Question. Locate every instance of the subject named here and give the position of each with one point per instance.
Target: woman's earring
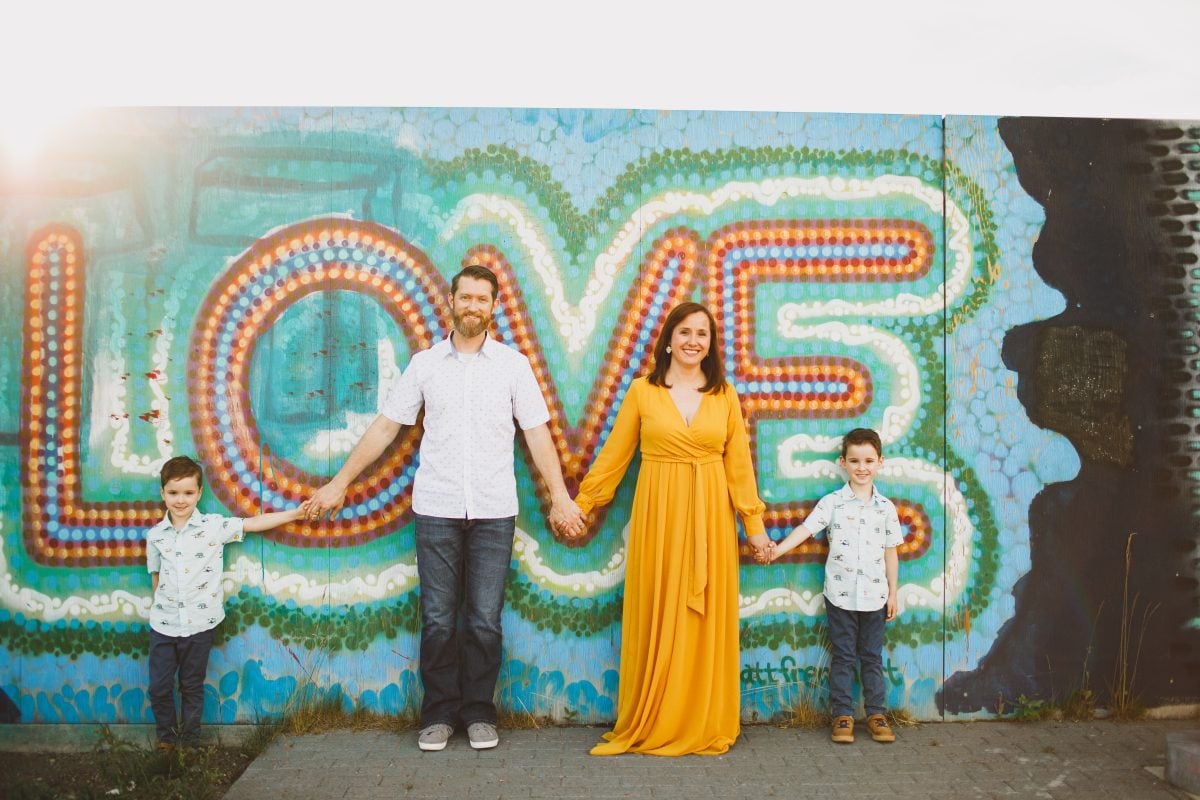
(668, 349)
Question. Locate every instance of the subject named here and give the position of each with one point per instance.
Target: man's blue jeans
(187, 656)
(856, 637)
(462, 565)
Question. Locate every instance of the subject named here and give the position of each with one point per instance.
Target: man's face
(472, 305)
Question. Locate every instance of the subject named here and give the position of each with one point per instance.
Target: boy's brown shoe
(877, 724)
(843, 730)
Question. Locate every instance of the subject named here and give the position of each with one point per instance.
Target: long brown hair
(712, 366)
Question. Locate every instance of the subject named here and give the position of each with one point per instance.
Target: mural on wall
(1117, 372)
(245, 285)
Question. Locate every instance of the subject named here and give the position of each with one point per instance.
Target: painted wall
(245, 285)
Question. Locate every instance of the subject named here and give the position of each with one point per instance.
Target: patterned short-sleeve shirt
(858, 532)
(471, 402)
(189, 562)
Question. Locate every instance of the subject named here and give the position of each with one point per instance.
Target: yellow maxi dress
(679, 686)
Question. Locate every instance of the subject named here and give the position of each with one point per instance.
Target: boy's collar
(167, 523)
(848, 491)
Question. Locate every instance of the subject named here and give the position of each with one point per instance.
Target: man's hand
(326, 500)
(566, 518)
(891, 606)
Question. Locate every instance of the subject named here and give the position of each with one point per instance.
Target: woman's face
(691, 339)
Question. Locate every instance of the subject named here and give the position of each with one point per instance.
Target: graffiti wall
(1011, 303)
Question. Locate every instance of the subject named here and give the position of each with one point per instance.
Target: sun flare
(25, 134)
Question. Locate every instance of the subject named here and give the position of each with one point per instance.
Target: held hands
(768, 550)
(764, 548)
(566, 519)
(327, 500)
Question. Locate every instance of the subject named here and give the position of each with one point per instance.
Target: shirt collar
(165, 524)
(450, 352)
(847, 493)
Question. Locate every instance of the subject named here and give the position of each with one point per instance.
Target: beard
(471, 325)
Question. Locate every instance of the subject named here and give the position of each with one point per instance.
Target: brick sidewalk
(935, 760)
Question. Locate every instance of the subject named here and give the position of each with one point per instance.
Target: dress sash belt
(698, 580)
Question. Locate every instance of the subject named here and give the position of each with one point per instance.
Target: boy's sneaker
(435, 736)
(877, 724)
(843, 730)
(482, 735)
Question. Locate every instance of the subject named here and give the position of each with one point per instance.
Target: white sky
(1135, 58)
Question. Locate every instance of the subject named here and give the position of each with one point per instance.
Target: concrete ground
(1057, 760)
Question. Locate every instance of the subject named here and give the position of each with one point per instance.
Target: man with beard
(472, 387)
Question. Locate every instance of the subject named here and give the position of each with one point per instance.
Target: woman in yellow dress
(679, 686)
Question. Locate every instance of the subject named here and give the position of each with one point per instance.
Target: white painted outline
(898, 417)
(577, 323)
(109, 411)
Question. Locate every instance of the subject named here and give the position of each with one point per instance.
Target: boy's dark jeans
(187, 656)
(856, 636)
(462, 565)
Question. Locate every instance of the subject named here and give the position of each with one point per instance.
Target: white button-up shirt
(466, 457)
(189, 563)
(858, 532)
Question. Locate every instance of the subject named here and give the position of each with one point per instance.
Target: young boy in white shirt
(184, 556)
(863, 530)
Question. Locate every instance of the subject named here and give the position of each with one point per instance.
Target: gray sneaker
(435, 736)
(482, 735)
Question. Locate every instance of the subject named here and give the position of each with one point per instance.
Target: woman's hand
(764, 548)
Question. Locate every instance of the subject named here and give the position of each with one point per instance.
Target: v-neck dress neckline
(687, 423)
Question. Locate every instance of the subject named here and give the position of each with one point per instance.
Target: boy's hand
(891, 606)
(766, 555)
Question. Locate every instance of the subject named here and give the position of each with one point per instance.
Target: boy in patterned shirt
(184, 558)
(863, 530)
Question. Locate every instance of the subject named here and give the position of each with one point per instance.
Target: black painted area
(1106, 245)
(9, 711)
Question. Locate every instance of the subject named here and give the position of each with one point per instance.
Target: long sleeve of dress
(603, 477)
(739, 469)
